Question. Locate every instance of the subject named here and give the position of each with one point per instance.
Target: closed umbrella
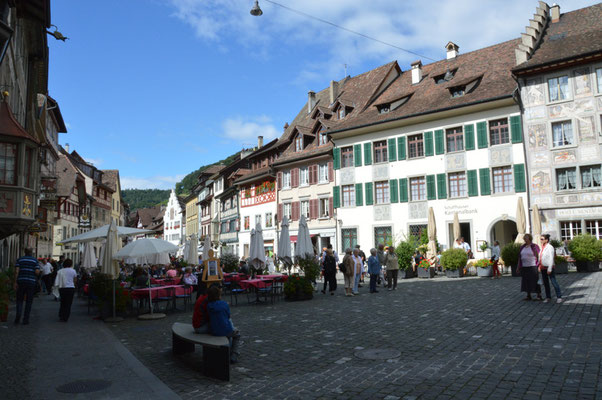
(257, 252)
(521, 221)
(108, 265)
(284, 244)
(89, 260)
(456, 227)
(432, 234)
(206, 247)
(305, 248)
(191, 254)
(536, 224)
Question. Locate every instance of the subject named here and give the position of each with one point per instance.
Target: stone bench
(216, 349)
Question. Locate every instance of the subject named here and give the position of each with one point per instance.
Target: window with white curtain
(591, 176)
(323, 173)
(303, 176)
(558, 88)
(566, 179)
(563, 133)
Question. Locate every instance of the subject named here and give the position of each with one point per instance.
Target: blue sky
(157, 88)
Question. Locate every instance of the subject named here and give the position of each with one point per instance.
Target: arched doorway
(503, 231)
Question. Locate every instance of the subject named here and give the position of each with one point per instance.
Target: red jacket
(200, 315)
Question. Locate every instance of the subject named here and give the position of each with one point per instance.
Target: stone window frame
(551, 134)
(489, 131)
(461, 195)
(557, 75)
(455, 133)
(411, 197)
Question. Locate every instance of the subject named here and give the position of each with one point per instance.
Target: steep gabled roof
(110, 177)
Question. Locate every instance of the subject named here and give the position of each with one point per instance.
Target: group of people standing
(536, 267)
(381, 260)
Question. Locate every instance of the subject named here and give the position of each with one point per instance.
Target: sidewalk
(40, 357)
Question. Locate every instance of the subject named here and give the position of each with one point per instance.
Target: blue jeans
(356, 282)
(546, 284)
(24, 290)
(373, 279)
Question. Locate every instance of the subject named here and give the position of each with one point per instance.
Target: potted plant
(405, 254)
(6, 290)
(561, 265)
(484, 267)
(101, 290)
(509, 255)
(228, 262)
(454, 261)
(425, 270)
(587, 252)
(299, 287)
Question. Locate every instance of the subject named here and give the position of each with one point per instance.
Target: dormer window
(461, 90)
(458, 91)
(446, 77)
(341, 113)
(299, 142)
(384, 108)
(323, 137)
(387, 107)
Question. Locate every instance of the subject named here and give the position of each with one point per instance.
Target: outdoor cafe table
(165, 281)
(273, 277)
(257, 284)
(161, 291)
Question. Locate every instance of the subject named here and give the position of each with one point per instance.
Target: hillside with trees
(184, 187)
(141, 198)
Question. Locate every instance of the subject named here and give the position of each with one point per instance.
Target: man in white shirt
(66, 278)
(466, 248)
(47, 275)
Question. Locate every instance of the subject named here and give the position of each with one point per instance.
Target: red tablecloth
(258, 283)
(87, 287)
(275, 277)
(161, 291)
(165, 281)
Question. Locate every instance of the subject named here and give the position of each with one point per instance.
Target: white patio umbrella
(536, 228)
(521, 221)
(108, 265)
(284, 244)
(256, 250)
(147, 248)
(304, 247)
(88, 259)
(191, 254)
(456, 227)
(432, 234)
(206, 247)
(100, 233)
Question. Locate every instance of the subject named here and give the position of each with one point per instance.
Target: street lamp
(256, 11)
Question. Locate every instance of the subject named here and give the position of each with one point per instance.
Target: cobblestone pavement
(465, 338)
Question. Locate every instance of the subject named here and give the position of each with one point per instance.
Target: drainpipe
(517, 98)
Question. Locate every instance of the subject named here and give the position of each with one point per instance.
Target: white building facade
(174, 220)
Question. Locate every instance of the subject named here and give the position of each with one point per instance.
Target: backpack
(342, 267)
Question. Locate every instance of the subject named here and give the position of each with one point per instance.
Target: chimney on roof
(311, 100)
(452, 50)
(67, 147)
(334, 91)
(285, 126)
(555, 13)
(416, 72)
(259, 142)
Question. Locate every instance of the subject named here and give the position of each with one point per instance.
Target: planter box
(588, 266)
(408, 273)
(426, 273)
(484, 272)
(458, 273)
(561, 268)
(514, 272)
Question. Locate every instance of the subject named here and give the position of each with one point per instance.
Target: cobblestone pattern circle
(84, 386)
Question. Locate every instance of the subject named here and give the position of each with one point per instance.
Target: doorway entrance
(504, 232)
(465, 232)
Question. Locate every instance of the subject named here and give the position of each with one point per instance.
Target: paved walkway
(38, 358)
(442, 338)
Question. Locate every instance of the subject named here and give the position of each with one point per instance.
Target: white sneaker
(559, 300)
(546, 301)
(389, 289)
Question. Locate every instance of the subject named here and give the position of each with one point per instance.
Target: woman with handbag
(528, 261)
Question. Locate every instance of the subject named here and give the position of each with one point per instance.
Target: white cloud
(420, 26)
(245, 130)
(154, 182)
(97, 162)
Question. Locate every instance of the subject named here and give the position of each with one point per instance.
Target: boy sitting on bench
(221, 324)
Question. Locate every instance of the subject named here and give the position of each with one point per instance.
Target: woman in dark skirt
(527, 266)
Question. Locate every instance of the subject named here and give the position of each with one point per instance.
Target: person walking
(374, 269)
(357, 270)
(527, 266)
(47, 276)
(330, 272)
(380, 254)
(363, 257)
(546, 267)
(495, 258)
(66, 279)
(27, 270)
(348, 271)
(392, 265)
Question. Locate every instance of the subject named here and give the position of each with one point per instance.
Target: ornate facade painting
(535, 93)
(7, 203)
(540, 182)
(541, 158)
(586, 128)
(582, 81)
(537, 136)
(563, 157)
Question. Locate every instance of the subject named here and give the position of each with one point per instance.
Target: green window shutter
(359, 195)
(367, 154)
(519, 178)
(516, 130)
(482, 135)
(336, 162)
(336, 196)
(431, 189)
(393, 191)
(473, 184)
(441, 186)
(401, 148)
(485, 181)
(357, 155)
(468, 137)
(403, 190)
(439, 142)
(392, 150)
(428, 143)
(369, 194)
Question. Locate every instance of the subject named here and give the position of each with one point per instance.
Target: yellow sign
(212, 271)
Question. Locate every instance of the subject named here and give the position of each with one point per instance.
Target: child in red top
(200, 316)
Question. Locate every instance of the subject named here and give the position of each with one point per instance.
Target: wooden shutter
(393, 191)
(431, 189)
(519, 178)
(391, 150)
(279, 180)
(401, 148)
(313, 209)
(330, 171)
(439, 142)
(485, 181)
(473, 185)
(336, 158)
(516, 130)
(295, 206)
(441, 186)
(428, 143)
(357, 155)
(279, 213)
(331, 207)
(313, 179)
(359, 195)
(295, 177)
(469, 137)
(369, 194)
(368, 153)
(336, 194)
(403, 190)
(482, 135)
